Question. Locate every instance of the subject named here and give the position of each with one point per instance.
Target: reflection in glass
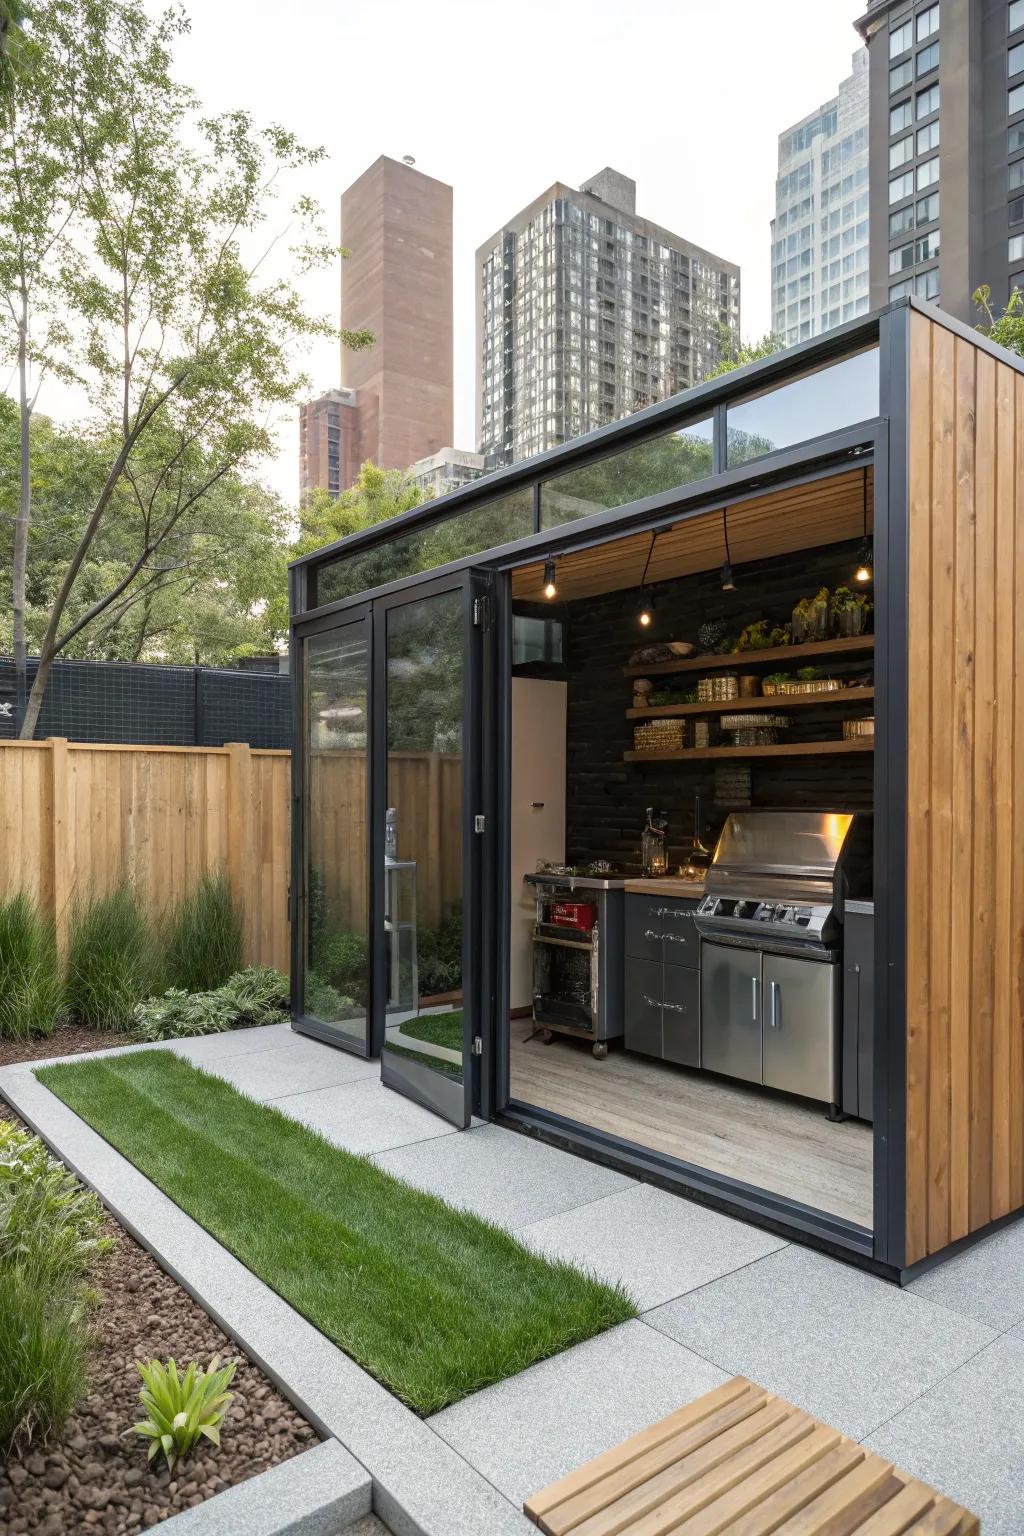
(837, 396)
(660, 464)
(424, 549)
(423, 834)
(337, 966)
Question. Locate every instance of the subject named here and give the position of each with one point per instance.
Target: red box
(573, 914)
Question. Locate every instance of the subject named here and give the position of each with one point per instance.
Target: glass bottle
(652, 846)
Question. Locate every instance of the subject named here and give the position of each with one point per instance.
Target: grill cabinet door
(730, 1011)
(800, 1027)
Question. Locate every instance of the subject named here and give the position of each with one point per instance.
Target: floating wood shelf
(778, 749)
(741, 660)
(778, 703)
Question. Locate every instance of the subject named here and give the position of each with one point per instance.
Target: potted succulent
(850, 611)
(773, 683)
(811, 617)
(762, 636)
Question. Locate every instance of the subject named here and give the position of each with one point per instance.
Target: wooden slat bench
(742, 1462)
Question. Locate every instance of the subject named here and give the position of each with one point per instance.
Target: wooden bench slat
(621, 1513)
(759, 1485)
(565, 1517)
(944, 1519)
(802, 1493)
(583, 1477)
(867, 1484)
(849, 1520)
(898, 1516)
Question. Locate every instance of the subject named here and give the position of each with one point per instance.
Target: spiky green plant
(112, 961)
(181, 1408)
(31, 994)
(44, 1346)
(204, 938)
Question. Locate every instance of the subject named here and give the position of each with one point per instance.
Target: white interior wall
(537, 809)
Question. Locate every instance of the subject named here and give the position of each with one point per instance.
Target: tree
(373, 497)
(734, 353)
(133, 254)
(12, 40)
(1007, 329)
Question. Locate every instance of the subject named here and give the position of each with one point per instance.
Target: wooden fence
(77, 820)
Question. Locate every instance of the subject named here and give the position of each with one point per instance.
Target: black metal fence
(158, 705)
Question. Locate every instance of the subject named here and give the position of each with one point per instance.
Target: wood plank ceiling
(778, 523)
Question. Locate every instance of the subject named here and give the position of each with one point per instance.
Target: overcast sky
(501, 99)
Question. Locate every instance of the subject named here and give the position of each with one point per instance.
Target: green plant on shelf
(775, 678)
(808, 674)
(179, 1409)
(762, 635)
(849, 612)
(811, 617)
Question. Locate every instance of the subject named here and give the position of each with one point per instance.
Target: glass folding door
(334, 908)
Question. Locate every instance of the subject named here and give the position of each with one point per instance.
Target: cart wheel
(600, 1050)
(547, 1036)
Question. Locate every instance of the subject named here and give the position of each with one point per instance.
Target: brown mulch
(95, 1478)
(69, 1040)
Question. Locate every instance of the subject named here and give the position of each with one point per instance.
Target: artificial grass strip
(437, 1029)
(432, 1301)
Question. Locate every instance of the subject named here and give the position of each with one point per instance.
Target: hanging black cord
(725, 531)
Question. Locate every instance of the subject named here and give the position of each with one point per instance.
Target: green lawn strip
(438, 1063)
(437, 1028)
(432, 1301)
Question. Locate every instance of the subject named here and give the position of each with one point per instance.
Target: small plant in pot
(811, 617)
(850, 612)
(773, 683)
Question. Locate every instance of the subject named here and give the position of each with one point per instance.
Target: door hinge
(479, 823)
(478, 1046)
(481, 611)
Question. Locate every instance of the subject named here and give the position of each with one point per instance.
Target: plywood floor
(775, 1143)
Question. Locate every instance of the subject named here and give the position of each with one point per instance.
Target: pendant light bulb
(645, 615)
(550, 586)
(863, 572)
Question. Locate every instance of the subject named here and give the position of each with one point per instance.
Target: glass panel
(337, 963)
(423, 842)
(423, 549)
(1016, 16)
(678, 458)
(820, 402)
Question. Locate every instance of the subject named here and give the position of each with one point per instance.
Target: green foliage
(761, 636)
(31, 993)
(322, 1001)
(179, 1409)
(1007, 329)
(445, 1029)
(44, 1345)
(257, 995)
(45, 1213)
(735, 353)
(440, 956)
(112, 961)
(204, 938)
(373, 497)
(344, 959)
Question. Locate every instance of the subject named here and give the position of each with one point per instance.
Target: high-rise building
(328, 443)
(947, 149)
(442, 472)
(586, 312)
(820, 238)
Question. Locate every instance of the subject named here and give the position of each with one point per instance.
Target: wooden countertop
(671, 885)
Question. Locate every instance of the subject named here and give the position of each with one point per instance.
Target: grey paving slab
(364, 1116)
(986, 1281)
(527, 1431)
(503, 1176)
(965, 1436)
(233, 1042)
(421, 1486)
(841, 1344)
(295, 1066)
(658, 1244)
(318, 1493)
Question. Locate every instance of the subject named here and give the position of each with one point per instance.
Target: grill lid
(781, 854)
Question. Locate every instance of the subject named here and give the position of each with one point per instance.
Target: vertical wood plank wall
(965, 790)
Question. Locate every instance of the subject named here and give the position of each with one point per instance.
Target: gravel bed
(95, 1477)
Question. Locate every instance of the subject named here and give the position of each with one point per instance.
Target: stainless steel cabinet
(662, 1005)
(800, 1002)
(730, 1010)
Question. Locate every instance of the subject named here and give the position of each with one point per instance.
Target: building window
(927, 101)
(901, 75)
(927, 59)
(1015, 248)
(928, 209)
(900, 117)
(900, 39)
(1017, 281)
(928, 174)
(927, 248)
(1017, 211)
(902, 222)
(1016, 175)
(901, 152)
(1015, 60)
(1015, 100)
(1015, 138)
(901, 187)
(1016, 14)
(927, 23)
(901, 258)
(901, 290)
(926, 284)
(928, 137)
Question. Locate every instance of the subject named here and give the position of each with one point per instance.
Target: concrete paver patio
(932, 1377)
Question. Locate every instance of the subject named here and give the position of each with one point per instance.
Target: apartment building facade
(328, 443)
(820, 233)
(586, 312)
(947, 149)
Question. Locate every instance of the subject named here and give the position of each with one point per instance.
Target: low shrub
(112, 961)
(181, 1408)
(44, 1343)
(439, 957)
(344, 959)
(257, 995)
(322, 1001)
(45, 1213)
(31, 992)
(204, 938)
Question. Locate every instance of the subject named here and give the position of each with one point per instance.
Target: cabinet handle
(675, 1007)
(753, 998)
(675, 938)
(652, 1002)
(774, 1017)
(649, 933)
